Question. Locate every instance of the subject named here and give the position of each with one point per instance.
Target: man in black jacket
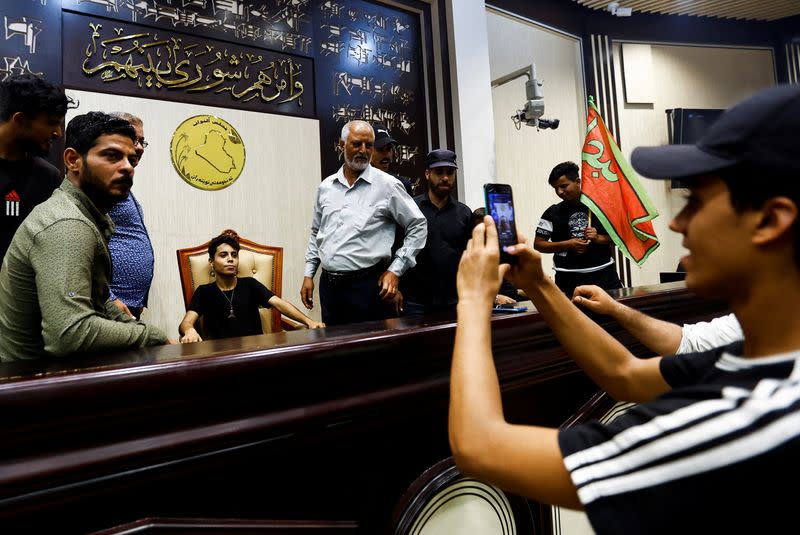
(430, 287)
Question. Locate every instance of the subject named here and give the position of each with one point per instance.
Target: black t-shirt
(23, 185)
(564, 221)
(433, 280)
(210, 303)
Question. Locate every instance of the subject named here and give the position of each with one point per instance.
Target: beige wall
(685, 77)
(270, 203)
(526, 156)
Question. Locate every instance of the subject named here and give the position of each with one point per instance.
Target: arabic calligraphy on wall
(112, 57)
(334, 60)
(277, 24)
(30, 41)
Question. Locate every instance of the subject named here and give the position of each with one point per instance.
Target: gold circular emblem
(207, 152)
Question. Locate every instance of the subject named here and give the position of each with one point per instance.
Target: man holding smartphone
(582, 251)
(706, 422)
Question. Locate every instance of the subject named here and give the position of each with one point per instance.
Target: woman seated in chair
(229, 305)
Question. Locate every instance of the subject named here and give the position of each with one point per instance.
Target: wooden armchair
(262, 262)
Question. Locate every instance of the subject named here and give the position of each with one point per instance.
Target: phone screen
(500, 205)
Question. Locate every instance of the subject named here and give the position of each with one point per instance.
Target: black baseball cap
(760, 131)
(382, 136)
(441, 158)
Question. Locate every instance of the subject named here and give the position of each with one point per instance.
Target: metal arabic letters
(277, 25)
(371, 54)
(207, 152)
(30, 40)
(122, 58)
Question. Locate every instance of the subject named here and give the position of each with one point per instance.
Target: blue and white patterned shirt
(131, 254)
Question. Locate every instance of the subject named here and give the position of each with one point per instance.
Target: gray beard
(356, 166)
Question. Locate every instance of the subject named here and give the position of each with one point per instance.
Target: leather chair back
(262, 262)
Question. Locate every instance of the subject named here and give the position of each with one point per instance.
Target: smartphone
(500, 205)
(508, 309)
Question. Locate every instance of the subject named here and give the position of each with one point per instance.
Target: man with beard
(582, 252)
(54, 280)
(31, 118)
(382, 158)
(383, 155)
(352, 232)
(131, 251)
(430, 287)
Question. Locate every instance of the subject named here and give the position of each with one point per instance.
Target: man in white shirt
(352, 231)
(662, 337)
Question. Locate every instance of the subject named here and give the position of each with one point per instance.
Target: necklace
(230, 301)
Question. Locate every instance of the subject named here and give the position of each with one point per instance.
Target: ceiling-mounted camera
(533, 109)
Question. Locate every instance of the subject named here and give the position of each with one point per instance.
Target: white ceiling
(728, 9)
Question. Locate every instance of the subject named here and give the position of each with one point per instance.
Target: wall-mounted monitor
(687, 126)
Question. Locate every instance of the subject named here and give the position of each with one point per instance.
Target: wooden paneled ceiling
(726, 9)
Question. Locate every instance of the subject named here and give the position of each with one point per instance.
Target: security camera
(615, 10)
(533, 109)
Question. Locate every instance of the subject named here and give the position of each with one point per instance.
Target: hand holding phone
(500, 205)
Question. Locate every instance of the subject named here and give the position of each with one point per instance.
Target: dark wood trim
(214, 526)
(326, 424)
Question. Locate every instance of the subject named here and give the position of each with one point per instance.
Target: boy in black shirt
(713, 430)
(582, 252)
(229, 305)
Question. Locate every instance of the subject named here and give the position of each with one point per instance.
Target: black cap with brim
(441, 158)
(677, 161)
(382, 137)
(383, 142)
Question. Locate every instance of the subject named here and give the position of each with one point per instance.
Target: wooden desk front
(308, 425)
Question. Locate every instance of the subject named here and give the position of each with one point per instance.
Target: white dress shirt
(354, 227)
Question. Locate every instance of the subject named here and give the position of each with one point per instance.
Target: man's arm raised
(661, 337)
(615, 369)
(526, 460)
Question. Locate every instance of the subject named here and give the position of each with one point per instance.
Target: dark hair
(227, 236)
(84, 130)
(750, 189)
(32, 95)
(567, 169)
(477, 216)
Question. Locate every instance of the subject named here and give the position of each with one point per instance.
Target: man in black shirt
(582, 251)
(31, 119)
(430, 286)
(383, 156)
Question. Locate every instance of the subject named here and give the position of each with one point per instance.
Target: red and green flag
(613, 193)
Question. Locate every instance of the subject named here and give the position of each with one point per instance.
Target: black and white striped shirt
(717, 454)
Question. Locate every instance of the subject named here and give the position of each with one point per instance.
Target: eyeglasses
(140, 141)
